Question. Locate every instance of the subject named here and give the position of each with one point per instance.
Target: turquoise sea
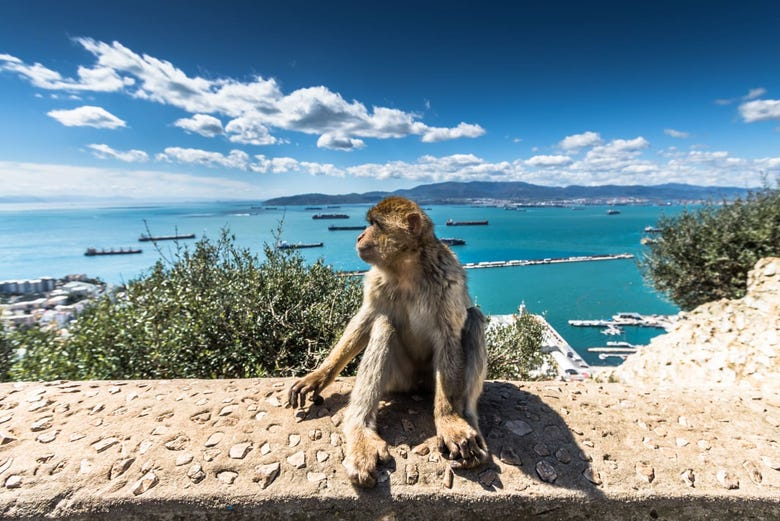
(36, 242)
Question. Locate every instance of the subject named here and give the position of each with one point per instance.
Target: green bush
(213, 312)
(515, 350)
(705, 254)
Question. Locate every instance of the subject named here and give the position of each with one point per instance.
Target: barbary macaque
(419, 329)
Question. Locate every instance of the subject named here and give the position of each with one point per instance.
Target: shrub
(212, 312)
(515, 350)
(705, 254)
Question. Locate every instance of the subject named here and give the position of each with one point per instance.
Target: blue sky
(223, 100)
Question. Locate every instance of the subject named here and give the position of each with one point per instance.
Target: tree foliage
(515, 350)
(705, 254)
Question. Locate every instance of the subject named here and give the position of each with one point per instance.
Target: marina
(628, 319)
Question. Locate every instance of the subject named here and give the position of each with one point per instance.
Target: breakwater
(556, 260)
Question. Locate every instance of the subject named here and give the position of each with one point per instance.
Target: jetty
(330, 216)
(92, 252)
(628, 319)
(450, 222)
(335, 228)
(549, 260)
(155, 238)
(284, 245)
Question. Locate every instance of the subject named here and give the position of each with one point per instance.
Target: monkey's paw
(365, 449)
(312, 384)
(461, 443)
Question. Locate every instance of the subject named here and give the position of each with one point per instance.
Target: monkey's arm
(351, 343)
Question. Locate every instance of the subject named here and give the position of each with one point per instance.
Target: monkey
(419, 329)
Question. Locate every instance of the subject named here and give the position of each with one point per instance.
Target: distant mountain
(518, 192)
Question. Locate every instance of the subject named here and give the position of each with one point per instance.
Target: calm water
(35, 243)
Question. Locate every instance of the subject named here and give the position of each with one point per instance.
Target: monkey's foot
(461, 443)
(365, 449)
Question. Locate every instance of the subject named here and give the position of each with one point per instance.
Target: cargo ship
(330, 216)
(91, 252)
(335, 228)
(154, 238)
(450, 222)
(284, 245)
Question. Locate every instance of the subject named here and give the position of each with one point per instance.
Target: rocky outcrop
(728, 343)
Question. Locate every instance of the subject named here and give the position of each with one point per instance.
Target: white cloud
(760, 110)
(548, 161)
(577, 142)
(66, 181)
(255, 108)
(755, 93)
(339, 142)
(87, 116)
(676, 133)
(434, 135)
(130, 156)
(98, 79)
(249, 130)
(202, 124)
(236, 159)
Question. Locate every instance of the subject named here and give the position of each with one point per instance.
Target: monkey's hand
(461, 443)
(313, 383)
(365, 449)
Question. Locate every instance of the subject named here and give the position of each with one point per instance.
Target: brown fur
(418, 328)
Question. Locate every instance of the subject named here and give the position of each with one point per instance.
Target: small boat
(450, 222)
(652, 229)
(613, 212)
(92, 252)
(154, 238)
(284, 245)
(451, 241)
(334, 228)
(330, 216)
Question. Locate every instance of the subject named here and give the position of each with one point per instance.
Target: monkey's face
(397, 228)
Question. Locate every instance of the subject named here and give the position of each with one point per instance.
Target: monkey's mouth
(366, 252)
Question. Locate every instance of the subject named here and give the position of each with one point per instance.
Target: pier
(555, 260)
(530, 262)
(570, 365)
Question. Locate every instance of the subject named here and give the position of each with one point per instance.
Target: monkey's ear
(414, 223)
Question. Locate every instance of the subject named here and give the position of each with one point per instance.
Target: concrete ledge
(203, 449)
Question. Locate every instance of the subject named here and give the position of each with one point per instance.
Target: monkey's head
(397, 228)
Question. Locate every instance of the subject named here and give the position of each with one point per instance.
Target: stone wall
(206, 449)
(725, 343)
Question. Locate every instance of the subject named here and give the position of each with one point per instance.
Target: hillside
(518, 192)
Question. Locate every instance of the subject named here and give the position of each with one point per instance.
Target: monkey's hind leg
(458, 387)
(365, 448)
(473, 341)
